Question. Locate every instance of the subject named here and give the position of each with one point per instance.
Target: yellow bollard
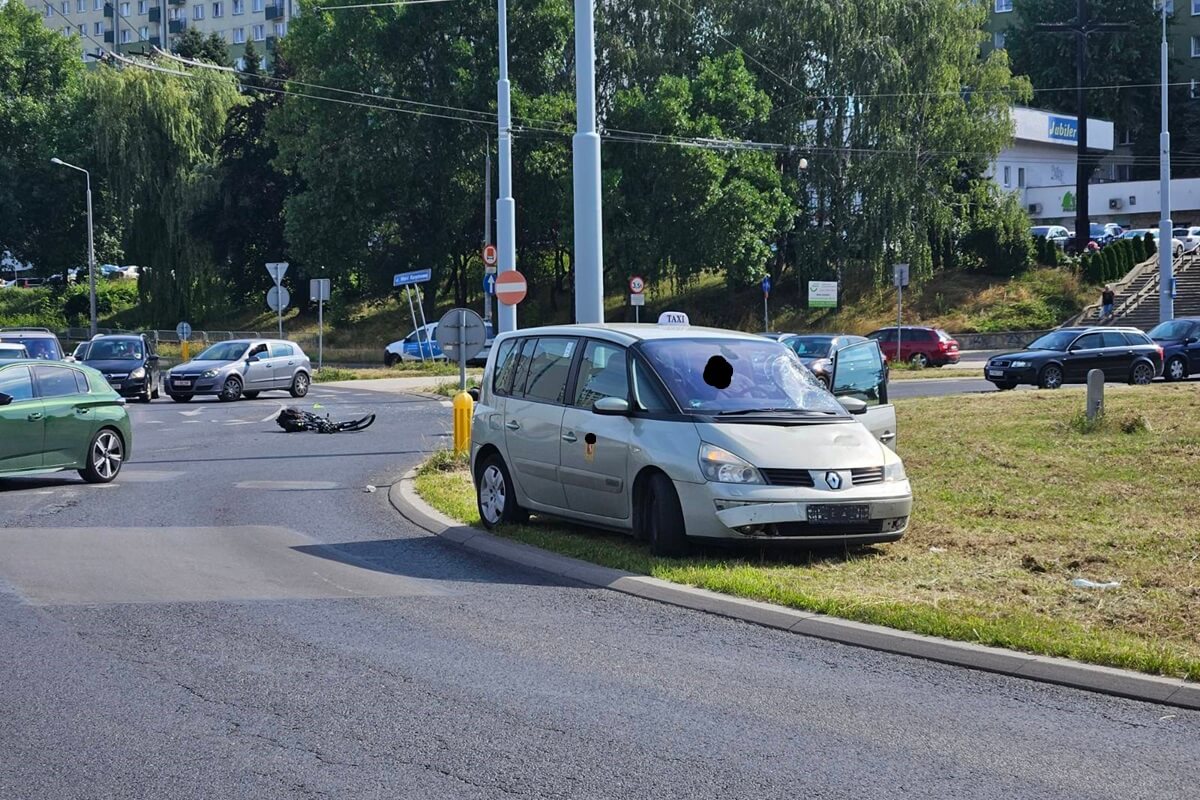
(464, 407)
(183, 351)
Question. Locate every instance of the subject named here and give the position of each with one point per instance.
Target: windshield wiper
(803, 411)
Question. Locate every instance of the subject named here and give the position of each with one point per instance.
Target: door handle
(513, 425)
(82, 410)
(887, 437)
(35, 416)
(570, 436)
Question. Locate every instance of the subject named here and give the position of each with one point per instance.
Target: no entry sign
(510, 287)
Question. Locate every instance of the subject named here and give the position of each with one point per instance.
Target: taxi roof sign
(673, 318)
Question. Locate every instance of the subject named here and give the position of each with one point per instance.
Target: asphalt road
(238, 617)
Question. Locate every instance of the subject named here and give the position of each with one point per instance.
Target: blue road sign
(489, 284)
(766, 284)
(408, 278)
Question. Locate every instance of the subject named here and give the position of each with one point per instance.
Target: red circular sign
(510, 287)
(489, 255)
(637, 284)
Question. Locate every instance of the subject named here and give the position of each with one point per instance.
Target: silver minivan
(242, 368)
(672, 432)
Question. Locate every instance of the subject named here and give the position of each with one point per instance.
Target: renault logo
(833, 479)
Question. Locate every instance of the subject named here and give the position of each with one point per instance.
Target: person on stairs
(1106, 302)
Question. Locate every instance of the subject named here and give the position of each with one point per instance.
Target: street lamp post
(506, 207)
(589, 237)
(91, 241)
(1166, 253)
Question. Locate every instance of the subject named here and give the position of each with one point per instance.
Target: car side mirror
(474, 392)
(611, 407)
(1191, 340)
(5, 399)
(853, 404)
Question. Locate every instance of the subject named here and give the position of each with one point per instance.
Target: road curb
(1063, 672)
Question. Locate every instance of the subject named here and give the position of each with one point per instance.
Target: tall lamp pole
(589, 241)
(1166, 254)
(506, 207)
(91, 241)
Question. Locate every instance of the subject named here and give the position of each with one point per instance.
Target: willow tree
(156, 138)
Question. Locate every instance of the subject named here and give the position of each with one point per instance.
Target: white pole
(412, 312)
(320, 328)
(506, 207)
(91, 254)
(487, 223)
(1166, 254)
(424, 324)
(899, 317)
(589, 244)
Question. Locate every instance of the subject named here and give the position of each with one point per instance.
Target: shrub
(1151, 247)
(1081, 423)
(1134, 422)
(1138, 247)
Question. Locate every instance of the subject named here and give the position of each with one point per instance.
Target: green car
(56, 416)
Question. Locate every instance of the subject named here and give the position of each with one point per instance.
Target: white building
(1043, 150)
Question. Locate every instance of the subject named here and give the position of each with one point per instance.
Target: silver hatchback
(242, 368)
(674, 433)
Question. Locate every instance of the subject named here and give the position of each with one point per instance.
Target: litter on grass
(1084, 583)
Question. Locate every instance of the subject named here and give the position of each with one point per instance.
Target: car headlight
(140, 372)
(208, 373)
(1020, 364)
(821, 366)
(722, 466)
(894, 472)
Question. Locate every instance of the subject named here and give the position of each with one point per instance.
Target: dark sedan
(128, 363)
(816, 350)
(1180, 341)
(1068, 354)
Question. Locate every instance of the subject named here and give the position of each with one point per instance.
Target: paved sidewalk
(399, 385)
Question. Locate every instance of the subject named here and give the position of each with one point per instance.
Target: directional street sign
(511, 287)
(278, 298)
(489, 284)
(409, 278)
(900, 275)
(183, 331)
(489, 255)
(277, 269)
(766, 285)
(637, 299)
(637, 285)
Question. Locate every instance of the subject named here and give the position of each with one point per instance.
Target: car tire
(154, 394)
(390, 359)
(919, 360)
(250, 395)
(495, 495)
(1006, 386)
(1051, 377)
(105, 455)
(231, 390)
(147, 394)
(1142, 373)
(662, 516)
(181, 398)
(1176, 369)
(300, 384)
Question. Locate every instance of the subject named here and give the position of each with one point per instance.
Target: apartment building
(134, 26)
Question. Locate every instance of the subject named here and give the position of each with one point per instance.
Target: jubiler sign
(1063, 129)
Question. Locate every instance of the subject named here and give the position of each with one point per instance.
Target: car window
(38, 347)
(885, 335)
(646, 391)
(55, 381)
(81, 382)
(116, 350)
(521, 372)
(224, 351)
(506, 365)
(1172, 329)
(1115, 339)
(17, 383)
(1088, 341)
(859, 372)
(281, 350)
(602, 373)
(811, 347)
(1136, 339)
(549, 369)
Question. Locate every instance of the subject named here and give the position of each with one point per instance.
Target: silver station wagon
(672, 433)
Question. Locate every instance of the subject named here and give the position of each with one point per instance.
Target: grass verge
(403, 370)
(1013, 501)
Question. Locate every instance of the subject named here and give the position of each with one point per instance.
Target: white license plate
(996, 373)
(181, 383)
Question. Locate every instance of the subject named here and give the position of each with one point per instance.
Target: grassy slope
(1006, 515)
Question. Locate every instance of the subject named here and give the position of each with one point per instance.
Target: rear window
(281, 350)
(1116, 339)
(1134, 338)
(944, 336)
(549, 369)
(506, 364)
(55, 381)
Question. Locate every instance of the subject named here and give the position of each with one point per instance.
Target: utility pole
(589, 242)
(1082, 27)
(506, 207)
(487, 219)
(1166, 253)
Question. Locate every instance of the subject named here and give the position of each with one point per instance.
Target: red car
(921, 347)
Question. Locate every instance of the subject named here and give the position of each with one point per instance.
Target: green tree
(195, 45)
(997, 237)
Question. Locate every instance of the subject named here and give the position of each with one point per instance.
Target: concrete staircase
(1137, 295)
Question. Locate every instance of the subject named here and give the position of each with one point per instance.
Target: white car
(422, 345)
(1176, 244)
(1189, 236)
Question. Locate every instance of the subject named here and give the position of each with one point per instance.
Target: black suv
(1068, 354)
(39, 342)
(129, 362)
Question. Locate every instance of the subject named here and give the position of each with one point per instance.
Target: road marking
(285, 486)
(446, 404)
(192, 421)
(154, 422)
(148, 475)
(271, 417)
(193, 412)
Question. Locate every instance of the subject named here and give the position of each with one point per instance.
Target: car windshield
(115, 350)
(1058, 340)
(1173, 329)
(738, 376)
(1039, 231)
(37, 347)
(811, 346)
(1097, 230)
(224, 351)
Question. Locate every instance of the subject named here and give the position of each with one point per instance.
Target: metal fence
(83, 334)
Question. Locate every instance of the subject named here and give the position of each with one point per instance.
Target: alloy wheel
(493, 494)
(1142, 374)
(1052, 378)
(919, 361)
(1176, 371)
(107, 455)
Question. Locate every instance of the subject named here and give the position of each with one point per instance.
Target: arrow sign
(489, 284)
(183, 331)
(277, 269)
(409, 278)
(766, 285)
